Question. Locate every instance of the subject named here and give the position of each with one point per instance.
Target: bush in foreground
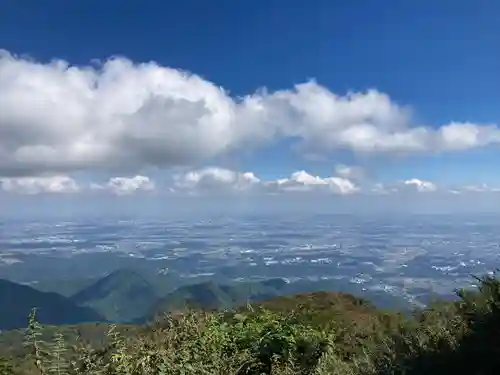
(448, 338)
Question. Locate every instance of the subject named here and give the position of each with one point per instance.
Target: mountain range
(16, 302)
(126, 296)
(212, 296)
(121, 296)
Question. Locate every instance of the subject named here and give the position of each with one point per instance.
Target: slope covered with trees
(214, 296)
(320, 333)
(16, 301)
(121, 296)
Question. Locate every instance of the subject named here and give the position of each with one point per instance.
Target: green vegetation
(122, 296)
(16, 302)
(129, 296)
(214, 296)
(64, 287)
(318, 333)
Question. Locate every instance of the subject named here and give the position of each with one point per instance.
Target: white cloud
(420, 185)
(303, 181)
(63, 118)
(463, 136)
(126, 185)
(216, 180)
(39, 185)
(223, 180)
(411, 185)
(365, 122)
(479, 188)
(56, 118)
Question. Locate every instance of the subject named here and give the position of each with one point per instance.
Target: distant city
(409, 258)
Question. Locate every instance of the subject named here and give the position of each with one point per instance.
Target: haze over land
(360, 158)
(409, 257)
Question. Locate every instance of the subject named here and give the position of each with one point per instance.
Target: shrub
(447, 338)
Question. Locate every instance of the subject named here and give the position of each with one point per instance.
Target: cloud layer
(121, 116)
(219, 179)
(212, 181)
(39, 185)
(125, 185)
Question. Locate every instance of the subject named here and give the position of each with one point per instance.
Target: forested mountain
(16, 302)
(121, 296)
(314, 333)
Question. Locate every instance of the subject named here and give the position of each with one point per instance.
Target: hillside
(314, 309)
(121, 296)
(66, 287)
(16, 302)
(213, 296)
(307, 334)
(321, 306)
(208, 295)
(126, 296)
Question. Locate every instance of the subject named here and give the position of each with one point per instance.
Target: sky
(323, 105)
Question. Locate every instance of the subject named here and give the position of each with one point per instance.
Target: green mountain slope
(127, 296)
(213, 296)
(65, 287)
(121, 296)
(16, 302)
(323, 333)
(207, 295)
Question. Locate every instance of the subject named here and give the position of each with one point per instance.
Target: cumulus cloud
(57, 118)
(420, 185)
(220, 179)
(364, 122)
(39, 185)
(126, 185)
(303, 181)
(216, 180)
(408, 186)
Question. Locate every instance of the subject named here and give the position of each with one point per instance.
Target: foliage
(17, 300)
(214, 296)
(121, 296)
(314, 334)
(6, 367)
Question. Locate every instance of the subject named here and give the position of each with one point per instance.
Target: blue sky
(432, 66)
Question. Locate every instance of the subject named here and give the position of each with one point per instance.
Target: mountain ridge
(122, 295)
(17, 300)
(127, 296)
